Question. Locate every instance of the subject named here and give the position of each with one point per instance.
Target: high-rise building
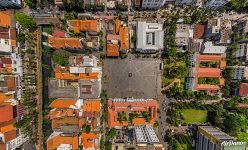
(210, 138)
(153, 4)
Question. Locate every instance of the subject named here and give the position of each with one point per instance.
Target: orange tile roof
(11, 83)
(115, 107)
(62, 103)
(208, 72)
(222, 81)
(207, 87)
(69, 76)
(55, 141)
(57, 42)
(6, 113)
(124, 38)
(85, 25)
(209, 57)
(5, 18)
(10, 135)
(112, 50)
(139, 121)
(90, 140)
(222, 64)
(117, 26)
(4, 98)
(7, 128)
(92, 105)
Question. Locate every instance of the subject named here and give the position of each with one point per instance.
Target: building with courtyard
(150, 37)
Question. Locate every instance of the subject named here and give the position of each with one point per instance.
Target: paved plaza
(132, 77)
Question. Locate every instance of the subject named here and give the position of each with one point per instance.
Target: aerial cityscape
(123, 74)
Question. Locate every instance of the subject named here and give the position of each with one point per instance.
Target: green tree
(236, 4)
(187, 20)
(25, 21)
(21, 38)
(232, 125)
(31, 3)
(61, 57)
(87, 129)
(112, 133)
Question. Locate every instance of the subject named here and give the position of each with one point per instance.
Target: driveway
(132, 77)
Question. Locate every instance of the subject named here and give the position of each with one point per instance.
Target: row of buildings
(76, 110)
(156, 4)
(11, 75)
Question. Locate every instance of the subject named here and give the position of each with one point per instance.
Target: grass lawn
(194, 116)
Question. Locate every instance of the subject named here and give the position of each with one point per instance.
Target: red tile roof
(59, 34)
(199, 31)
(5, 60)
(243, 89)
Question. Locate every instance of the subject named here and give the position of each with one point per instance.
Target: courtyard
(132, 77)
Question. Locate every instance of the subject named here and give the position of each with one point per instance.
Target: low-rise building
(80, 79)
(69, 43)
(63, 141)
(145, 136)
(137, 109)
(243, 89)
(150, 37)
(212, 138)
(152, 4)
(214, 4)
(242, 53)
(241, 28)
(183, 35)
(68, 117)
(240, 72)
(209, 48)
(7, 32)
(219, 31)
(118, 42)
(204, 67)
(90, 26)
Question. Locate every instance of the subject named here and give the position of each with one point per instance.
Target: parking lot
(132, 77)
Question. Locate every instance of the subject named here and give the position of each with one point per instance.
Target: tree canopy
(61, 57)
(31, 3)
(236, 4)
(25, 21)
